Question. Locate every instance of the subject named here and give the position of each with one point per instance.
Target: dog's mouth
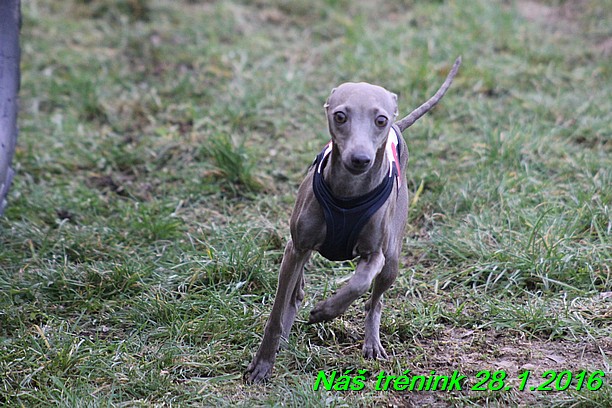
(356, 170)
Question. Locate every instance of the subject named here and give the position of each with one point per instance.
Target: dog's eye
(381, 121)
(340, 117)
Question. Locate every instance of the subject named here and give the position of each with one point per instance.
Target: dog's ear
(326, 105)
(394, 97)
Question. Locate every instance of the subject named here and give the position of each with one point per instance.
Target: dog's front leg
(288, 297)
(368, 267)
(372, 347)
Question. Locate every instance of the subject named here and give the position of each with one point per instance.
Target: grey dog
(352, 203)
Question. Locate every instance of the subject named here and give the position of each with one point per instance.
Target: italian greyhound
(352, 203)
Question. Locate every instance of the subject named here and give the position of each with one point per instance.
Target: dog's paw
(258, 371)
(374, 350)
(320, 313)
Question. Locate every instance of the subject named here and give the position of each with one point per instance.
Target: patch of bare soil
(555, 16)
(605, 47)
(472, 351)
(564, 19)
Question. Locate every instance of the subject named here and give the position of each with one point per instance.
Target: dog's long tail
(413, 116)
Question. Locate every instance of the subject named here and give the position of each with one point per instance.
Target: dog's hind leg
(288, 294)
(292, 308)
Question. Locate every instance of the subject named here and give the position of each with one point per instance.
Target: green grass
(161, 147)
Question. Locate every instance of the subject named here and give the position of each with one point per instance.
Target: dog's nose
(360, 160)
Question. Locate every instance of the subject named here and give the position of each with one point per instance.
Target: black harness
(345, 217)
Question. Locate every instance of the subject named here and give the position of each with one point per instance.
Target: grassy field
(161, 146)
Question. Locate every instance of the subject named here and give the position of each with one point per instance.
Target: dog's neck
(345, 184)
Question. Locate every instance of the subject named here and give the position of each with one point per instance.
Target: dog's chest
(346, 217)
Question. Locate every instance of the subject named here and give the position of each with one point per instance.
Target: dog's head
(359, 116)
